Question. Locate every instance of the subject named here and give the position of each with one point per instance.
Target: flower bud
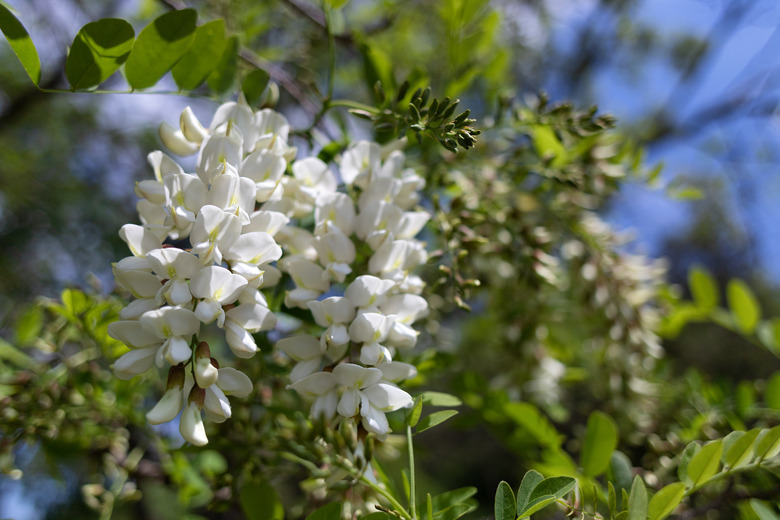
(205, 372)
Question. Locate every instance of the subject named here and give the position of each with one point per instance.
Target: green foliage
(159, 46)
(98, 50)
(202, 57)
(260, 501)
(21, 43)
(601, 438)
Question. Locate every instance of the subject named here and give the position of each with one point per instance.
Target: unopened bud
(175, 377)
(206, 373)
(197, 396)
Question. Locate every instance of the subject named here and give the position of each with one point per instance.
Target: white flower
(306, 351)
(218, 149)
(359, 163)
(215, 286)
(265, 169)
(243, 321)
(191, 424)
(176, 266)
(368, 291)
(214, 231)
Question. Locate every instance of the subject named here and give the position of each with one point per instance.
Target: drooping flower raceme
(350, 372)
(210, 241)
(224, 248)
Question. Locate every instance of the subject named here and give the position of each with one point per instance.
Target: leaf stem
(390, 498)
(412, 485)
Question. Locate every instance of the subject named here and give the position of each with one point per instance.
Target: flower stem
(412, 485)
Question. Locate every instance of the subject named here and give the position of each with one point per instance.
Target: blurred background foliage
(567, 316)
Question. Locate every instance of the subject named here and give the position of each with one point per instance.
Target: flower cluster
(211, 240)
(201, 255)
(354, 273)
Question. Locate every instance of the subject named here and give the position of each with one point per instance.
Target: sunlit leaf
(548, 145)
(665, 501)
(600, 441)
(159, 46)
(741, 451)
(439, 399)
(203, 56)
(98, 50)
(223, 76)
(743, 304)
(763, 511)
(436, 418)
(705, 462)
(528, 417)
(703, 288)
(637, 500)
(685, 459)
(767, 443)
(21, 43)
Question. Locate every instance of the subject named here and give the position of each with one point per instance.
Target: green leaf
(260, 501)
(440, 399)
(665, 501)
(456, 511)
(413, 417)
(429, 421)
(601, 439)
(772, 393)
(221, 79)
(620, 470)
(763, 511)
(330, 511)
(203, 56)
(530, 480)
(767, 443)
(546, 492)
(680, 192)
(98, 50)
(159, 46)
(637, 500)
(528, 417)
(379, 515)
(21, 43)
(685, 459)
(451, 498)
(11, 354)
(547, 144)
(705, 462)
(741, 451)
(703, 288)
(254, 84)
(505, 502)
(29, 326)
(743, 304)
